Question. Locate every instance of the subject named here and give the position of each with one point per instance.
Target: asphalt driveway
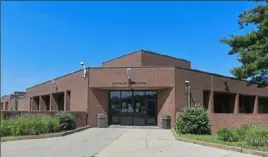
(113, 142)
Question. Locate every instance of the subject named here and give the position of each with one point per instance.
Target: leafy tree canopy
(251, 48)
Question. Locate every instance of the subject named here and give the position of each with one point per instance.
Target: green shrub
(52, 123)
(243, 131)
(5, 128)
(29, 124)
(193, 120)
(229, 135)
(67, 120)
(257, 137)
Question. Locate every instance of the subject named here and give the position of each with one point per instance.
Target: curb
(220, 146)
(59, 134)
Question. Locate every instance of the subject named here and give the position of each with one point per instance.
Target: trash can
(166, 122)
(102, 121)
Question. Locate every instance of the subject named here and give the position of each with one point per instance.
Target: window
(115, 106)
(224, 102)
(263, 105)
(246, 103)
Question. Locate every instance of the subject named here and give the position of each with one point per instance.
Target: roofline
(165, 55)
(214, 74)
(194, 70)
(142, 51)
(176, 67)
(54, 79)
(122, 56)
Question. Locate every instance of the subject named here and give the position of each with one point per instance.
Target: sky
(44, 40)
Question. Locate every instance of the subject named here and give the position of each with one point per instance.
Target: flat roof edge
(54, 79)
(122, 56)
(176, 67)
(146, 51)
(155, 53)
(214, 74)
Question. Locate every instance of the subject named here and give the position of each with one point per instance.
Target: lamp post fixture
(85, 70)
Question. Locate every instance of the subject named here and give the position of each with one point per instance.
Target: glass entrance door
(133, 107)
(151, 111)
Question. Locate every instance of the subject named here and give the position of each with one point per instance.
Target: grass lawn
(213, 139)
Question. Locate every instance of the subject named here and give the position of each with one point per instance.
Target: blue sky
(44, 40)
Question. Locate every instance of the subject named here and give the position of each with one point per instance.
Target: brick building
(11, 102)
(140, 87)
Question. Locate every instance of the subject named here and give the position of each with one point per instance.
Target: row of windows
(225, 102)
(54, 101)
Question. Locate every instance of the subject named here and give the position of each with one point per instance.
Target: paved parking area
(113, 142)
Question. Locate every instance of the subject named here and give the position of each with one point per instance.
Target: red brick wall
(6, 100)
(200, 81)
(98, 103)
(71, 82)
(226, 120)
(24, 104)
(146, 58)
(153, 77)
(161, 79)
(166, 105)
(222, 120)
(152, 59)
(81, 117)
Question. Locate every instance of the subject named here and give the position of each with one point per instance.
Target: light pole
(85, 70)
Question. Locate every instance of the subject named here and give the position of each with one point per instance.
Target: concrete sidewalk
(80, 144)
(113, 142)
(160, 143)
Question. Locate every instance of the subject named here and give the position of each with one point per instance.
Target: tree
(251, 48)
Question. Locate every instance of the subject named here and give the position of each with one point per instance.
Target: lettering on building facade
(126, 83)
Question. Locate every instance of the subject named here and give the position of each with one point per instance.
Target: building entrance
(133, 107)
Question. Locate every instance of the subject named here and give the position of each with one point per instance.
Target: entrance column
(42, 104)
(211, 102)
(34, 104)
(256, 105)
(236, 105)
(52, 102)
(211, 96)
(31, 103)
(66, 101)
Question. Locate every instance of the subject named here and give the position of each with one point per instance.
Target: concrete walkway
(160, 143)
(113, 142)
(81, 144)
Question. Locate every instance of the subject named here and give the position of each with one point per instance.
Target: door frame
(132, 90)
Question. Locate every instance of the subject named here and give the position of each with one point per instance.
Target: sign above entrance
(126, 83)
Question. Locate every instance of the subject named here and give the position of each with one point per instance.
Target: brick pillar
(211, 102)
(236, 105)
(256, 105)
(33, 104)
(66, 101)
(53, 103)
(42, 104)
